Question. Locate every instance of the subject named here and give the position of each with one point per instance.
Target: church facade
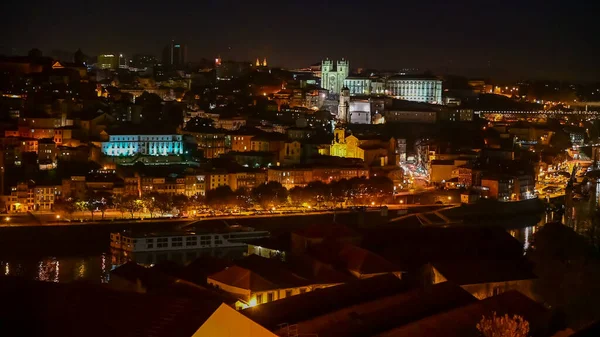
(334, 74)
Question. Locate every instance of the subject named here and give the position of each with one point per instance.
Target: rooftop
(462, 321)
(382, 314)
(484, 271)
(257, 273)
(352, 258)
(66, 309)
(292, 310)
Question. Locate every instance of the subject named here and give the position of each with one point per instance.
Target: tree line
(355, 191)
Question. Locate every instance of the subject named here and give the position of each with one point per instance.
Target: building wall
(484, 290)
(410, 116)
(217, 179)
(441, 172)
(128, 145)
(358, 86)
(417, 90)
(241, 143)
(291, 153)
(332, 77)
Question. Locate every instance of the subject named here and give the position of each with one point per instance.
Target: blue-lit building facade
(154, 145)
(416, 89)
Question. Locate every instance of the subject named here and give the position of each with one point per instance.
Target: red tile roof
(33, 308)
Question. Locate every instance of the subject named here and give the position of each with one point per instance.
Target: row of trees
(93, 202)
(272, 194)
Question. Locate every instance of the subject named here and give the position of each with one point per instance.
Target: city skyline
(509, 40)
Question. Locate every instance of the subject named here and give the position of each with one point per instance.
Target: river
(95, 265)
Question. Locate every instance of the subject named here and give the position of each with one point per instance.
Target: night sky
(510, 39)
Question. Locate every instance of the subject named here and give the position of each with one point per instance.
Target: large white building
(333, 75)
(364, 86)
(360, 112)
(415, 88)
(156, 145)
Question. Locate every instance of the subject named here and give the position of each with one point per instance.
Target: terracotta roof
(292, 310)
(199, 269)
(413, 247)
(243, 278)
(383, 314)
(465, 272)
(257, 273)
(462, 322)
(353, 258)
(34, 308)
(315, 270)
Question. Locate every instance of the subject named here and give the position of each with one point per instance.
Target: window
(149, 243)
(177, 242)
(205, 240)
(270, 297)
(162, 242)
(288, 293)
(191, 241)
(259, 299)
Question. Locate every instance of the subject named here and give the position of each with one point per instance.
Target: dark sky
(516, 39)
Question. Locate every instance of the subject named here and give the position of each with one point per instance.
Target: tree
(65, 206)
(298, 195)
(271, 194)
(132, 204)
(503, 326)
(119, 204)
(151, 201)
(96, 201)
(164, 203)
(220, 197)
(180, 202)
(316, 192)
(243, 197)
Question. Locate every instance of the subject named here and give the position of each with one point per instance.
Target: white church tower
(333, 75)
(344, 106)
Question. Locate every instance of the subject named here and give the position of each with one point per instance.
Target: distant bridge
(540, 113)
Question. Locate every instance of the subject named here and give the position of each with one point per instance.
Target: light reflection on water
(97, 268)
(57, 269)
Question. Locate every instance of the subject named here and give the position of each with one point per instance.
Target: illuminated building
(373, 150)
(261, 64)
(143, 61)
(344, 105)
(410, 116)
(415, 88)
(216, 179)
(129, 145)
(290, 177)
(45, 195)
(175, 54)
(358, 85)
(359, 112)
(211, 141)
(333, 75)
(107, 61)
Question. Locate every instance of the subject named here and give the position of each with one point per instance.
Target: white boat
(151, 242)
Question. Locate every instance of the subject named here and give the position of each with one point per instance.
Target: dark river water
(96, 266)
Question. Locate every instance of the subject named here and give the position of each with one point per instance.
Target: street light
(57, 216)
